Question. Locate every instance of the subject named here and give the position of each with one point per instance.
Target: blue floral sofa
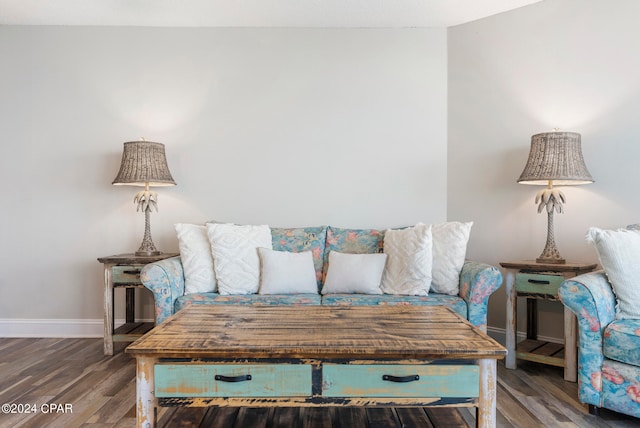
(609, 344)
(477, 282)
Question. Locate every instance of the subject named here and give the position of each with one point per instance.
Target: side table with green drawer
(123, 271)
(540, 281)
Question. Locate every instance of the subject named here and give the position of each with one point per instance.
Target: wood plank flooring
(99, 391)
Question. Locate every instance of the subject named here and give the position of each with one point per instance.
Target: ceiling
(254, 13)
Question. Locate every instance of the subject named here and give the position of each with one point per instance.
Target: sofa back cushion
(449, 243)
(354, 273)
(235, 255)
(449, 252)
(409, 259)
(297, 240)
(197, 261)
(286, 272)
(352, 241)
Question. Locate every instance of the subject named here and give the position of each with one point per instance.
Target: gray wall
(570, 64)
(289, 127)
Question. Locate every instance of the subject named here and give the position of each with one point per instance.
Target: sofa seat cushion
(622, 341)
(454, 302)
(246, 299)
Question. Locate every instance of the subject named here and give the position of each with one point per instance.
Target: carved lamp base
(550, 254)
(558, 261)
(147, 247)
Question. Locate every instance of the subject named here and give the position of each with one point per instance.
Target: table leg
(486, 414)
(130, 297)
(532, 319)
(512, 300)
(145, 398)
(570, 346)
(108, 310)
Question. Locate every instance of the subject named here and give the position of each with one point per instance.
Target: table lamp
(555, 159)
(144, 164)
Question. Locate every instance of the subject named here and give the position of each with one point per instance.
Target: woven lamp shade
(556, 157)
(144, 162)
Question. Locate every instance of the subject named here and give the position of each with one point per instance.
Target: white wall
(304, 127)
(290, 127)
(570, 64)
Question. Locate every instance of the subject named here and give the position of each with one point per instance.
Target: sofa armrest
(477, 282)
(591, 298)
(165, 279)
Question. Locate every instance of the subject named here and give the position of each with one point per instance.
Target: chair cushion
(618, 251)
(622, 341)
(246, 299)
(619, 385)
(454, 302)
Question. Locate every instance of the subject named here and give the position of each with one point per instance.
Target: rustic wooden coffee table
(223, 355)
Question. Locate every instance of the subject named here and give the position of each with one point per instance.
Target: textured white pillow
(354, 273)
(619, 254)
(235, 254)
(284, 272)
(408, 269)
(197, 261)
(449, 251)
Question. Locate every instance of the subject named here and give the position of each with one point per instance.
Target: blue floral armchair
(609, 348)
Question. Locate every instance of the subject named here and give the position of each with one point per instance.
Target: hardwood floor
(54, 376)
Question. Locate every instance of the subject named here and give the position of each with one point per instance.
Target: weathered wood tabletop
(419, 332)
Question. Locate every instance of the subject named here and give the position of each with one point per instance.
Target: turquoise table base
(294, 383)
(270, 356)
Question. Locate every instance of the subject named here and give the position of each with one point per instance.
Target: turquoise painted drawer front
(367, 380)
(126, 274)
(199, 380)
(538, 283)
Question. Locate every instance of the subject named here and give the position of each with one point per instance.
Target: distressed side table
(123, 271)
(540, 281)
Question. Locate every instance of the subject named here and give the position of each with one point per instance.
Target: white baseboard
(500, 334)
(54, 327)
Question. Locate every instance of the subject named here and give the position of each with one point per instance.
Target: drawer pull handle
(538, 281)
(410, 378)
(241, 378)
(131, 272)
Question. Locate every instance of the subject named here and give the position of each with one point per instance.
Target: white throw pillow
(235, 254)
(619, 254)
(284, 272)
(408, 268)
(354, 273)
(197, 261)
(449, 251)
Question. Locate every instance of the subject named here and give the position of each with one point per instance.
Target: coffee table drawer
(400, 380)
(232, 380)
